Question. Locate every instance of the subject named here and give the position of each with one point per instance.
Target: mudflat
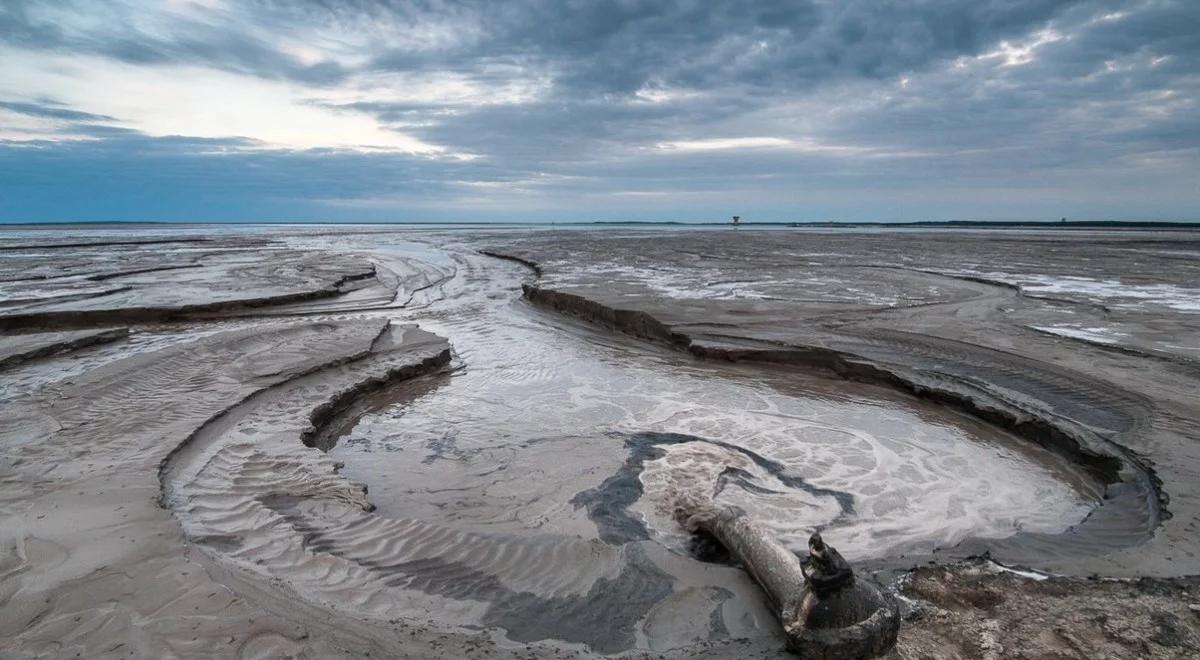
(334, 441)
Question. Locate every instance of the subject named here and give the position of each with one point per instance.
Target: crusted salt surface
(1110, 291)
(714, 284)
(1126, 295)
(1099, 335)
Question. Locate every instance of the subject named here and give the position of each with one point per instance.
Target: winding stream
(547, 428)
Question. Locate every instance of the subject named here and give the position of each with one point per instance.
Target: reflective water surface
(541, 412)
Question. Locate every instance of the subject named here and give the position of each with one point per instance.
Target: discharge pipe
(826, 613)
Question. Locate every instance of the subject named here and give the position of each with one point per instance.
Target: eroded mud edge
(135, 315)
(320, 416)
(1113, 465)
(60, 347)
(334, 409)
(537, 270)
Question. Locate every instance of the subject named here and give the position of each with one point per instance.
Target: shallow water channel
(547, 427)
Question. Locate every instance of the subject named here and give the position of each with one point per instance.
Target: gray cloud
(221, 41)
(1056, 104)
(51, 111)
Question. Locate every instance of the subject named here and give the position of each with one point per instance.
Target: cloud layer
(563, 110)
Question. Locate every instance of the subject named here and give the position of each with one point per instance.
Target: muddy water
(550, 428)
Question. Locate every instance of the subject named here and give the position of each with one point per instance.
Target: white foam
(1025, 573)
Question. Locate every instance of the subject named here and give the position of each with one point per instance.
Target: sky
(619, 110)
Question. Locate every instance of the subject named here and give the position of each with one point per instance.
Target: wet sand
(334, 441)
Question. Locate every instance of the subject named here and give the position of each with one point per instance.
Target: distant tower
(736, 220)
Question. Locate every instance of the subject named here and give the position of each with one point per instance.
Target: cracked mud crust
(974, 612)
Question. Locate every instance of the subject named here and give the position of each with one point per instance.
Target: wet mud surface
(429, 443)
(933, 326)
(64, 283)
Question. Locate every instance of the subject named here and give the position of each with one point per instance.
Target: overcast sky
(620, 110)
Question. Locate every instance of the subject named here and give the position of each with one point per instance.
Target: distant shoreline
(923, 224)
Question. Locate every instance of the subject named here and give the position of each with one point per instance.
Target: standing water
(550, 429)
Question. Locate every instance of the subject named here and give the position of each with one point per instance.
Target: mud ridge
(328, 413)
(64, 345)
(537, 270)
(141, 315)
(18, 303)
(165, 465)
(1130, 484)
(252, 498)
(638, 324)
(57, 246)
(1189, 366)
(138, 271)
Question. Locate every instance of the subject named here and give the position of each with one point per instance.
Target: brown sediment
(977, 610)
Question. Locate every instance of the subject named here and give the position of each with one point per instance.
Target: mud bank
(537, 270)
(169, 493)
(92, 564)
(86, 284)
(1133, 489)
(68, 318)
(1106, 461)
(15, 349)
(941, 333)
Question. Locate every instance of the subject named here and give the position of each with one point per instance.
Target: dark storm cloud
(619, 46)
(751, 57)
(595, 47)
(1105, 88)
(1072, 101)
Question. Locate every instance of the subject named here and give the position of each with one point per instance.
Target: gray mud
(912, 312)
(270, 458)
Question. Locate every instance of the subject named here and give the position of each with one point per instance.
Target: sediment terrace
(85, 284)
